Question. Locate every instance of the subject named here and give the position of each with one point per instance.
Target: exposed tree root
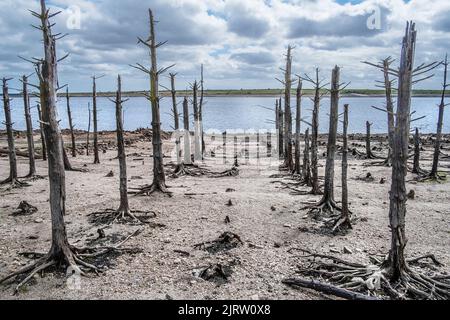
(111, 216)
(25, 209)
(225, 242)
(33, 177)
(193, 171)
(340, 224)
(325, 208)
(233, 172)
(63, 260)
(375, 280)
(14, 184)
(150, 189)
(440, 177)
(385, 163)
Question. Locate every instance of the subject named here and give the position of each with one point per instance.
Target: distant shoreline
(275, 93)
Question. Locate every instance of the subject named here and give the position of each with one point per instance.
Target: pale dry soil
(262, 214)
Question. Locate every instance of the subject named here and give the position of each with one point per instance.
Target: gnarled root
(183, 170)
(341, 224)
(67, 258)
(326, 207)
(121, 216)
(439, 177)
(374, 280)
(14, 183)
(150, 189)
(233, 172)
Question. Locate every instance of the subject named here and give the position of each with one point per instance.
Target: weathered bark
(416, 163)
(197, 124)
(187, 133)
(277, 128)
(306, 169)
(389, 109)
(94, 113)
(315, 138)
(200, 108)
(41, 127)
(72, 134)
(12, 179)
(298, 119)
(437, 147)
(224, 147)
(369, 153)
(344, 222)
(88, 131)
(396, 262)
(29, 123)
(288, 160)
(176, 116)
(281, 129)
(124, 208)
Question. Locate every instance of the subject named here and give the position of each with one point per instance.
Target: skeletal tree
(29, 124)
(298, 115)
(12, 180)
(369, 153)
(61, 253)
(159, 177)
(197, 123)
(306, 169)
(277, 126)
(434, 174)
(344, 222)
(187, 133)
(281, 125)
(200, 108)
(287, 82)
(41, 127)
(328, 203)
(88, 130)
(318, 86)
(95, 119)
(69, 115)
(176, 116)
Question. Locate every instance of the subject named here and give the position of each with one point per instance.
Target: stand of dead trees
(61, 253)
(394, 276)
(159, 177)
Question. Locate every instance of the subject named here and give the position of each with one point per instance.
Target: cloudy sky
(241, 43)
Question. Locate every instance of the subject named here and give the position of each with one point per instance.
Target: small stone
(277, 245)
(332, 250)
(347, 250)
(255, 297)
(287, 226)
(169, 297)
(167, 240)
(273, 208)
(38, 220)
(177, 261)
(412, 195)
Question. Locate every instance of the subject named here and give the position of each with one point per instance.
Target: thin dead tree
(343, 223)
(176, 117)
(416, 163)
(197, 123)
(200, 109)
(288, 82)
(95, 119)
(328, 203)
(369, 153)
(12, 180)
(306, 169)
(61, 254)
(277, 127)
(88, 133)
(41, 127)
(434, 175)
(71, 127)
(298, 119)
(159, 177)
(319, 85)
(123, 214)
(187, 133)
(394, 276)
(29, 124)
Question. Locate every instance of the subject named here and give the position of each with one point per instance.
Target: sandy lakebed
(268, 219)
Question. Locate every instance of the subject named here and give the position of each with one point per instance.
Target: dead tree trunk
(176, 116)
(200, 108)
(344, 222)
(315, 138)
(288, 160)
(61, 253)
(328, 204)
(88, 131)
(197, 124)
(434, 174)
(369, 154)
(69, 115)
(94, 111)
(41, 127)
(416, 166)
(298, 115)
(12, 179)
(277, 127)
(159, 177)
(187, 133)
(29, 123)
(396, 261)
(281, 129)
(306, 170)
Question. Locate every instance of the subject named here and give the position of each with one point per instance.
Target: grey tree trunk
(201, 105)
(69, 115)
(176, 116)
(88, 131)
(281, 129)
(298, 118)
(10, 136)
(41, 126)
(187, 133)
(288, 161)
(369, 153)
(29, 123)
(315, 139)
(94, 111)
(437, 148)
(277, 128)
(197, 125)
(389, 109)
(416, 165)
(396, 262)
(306, 170)
(124, 207)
